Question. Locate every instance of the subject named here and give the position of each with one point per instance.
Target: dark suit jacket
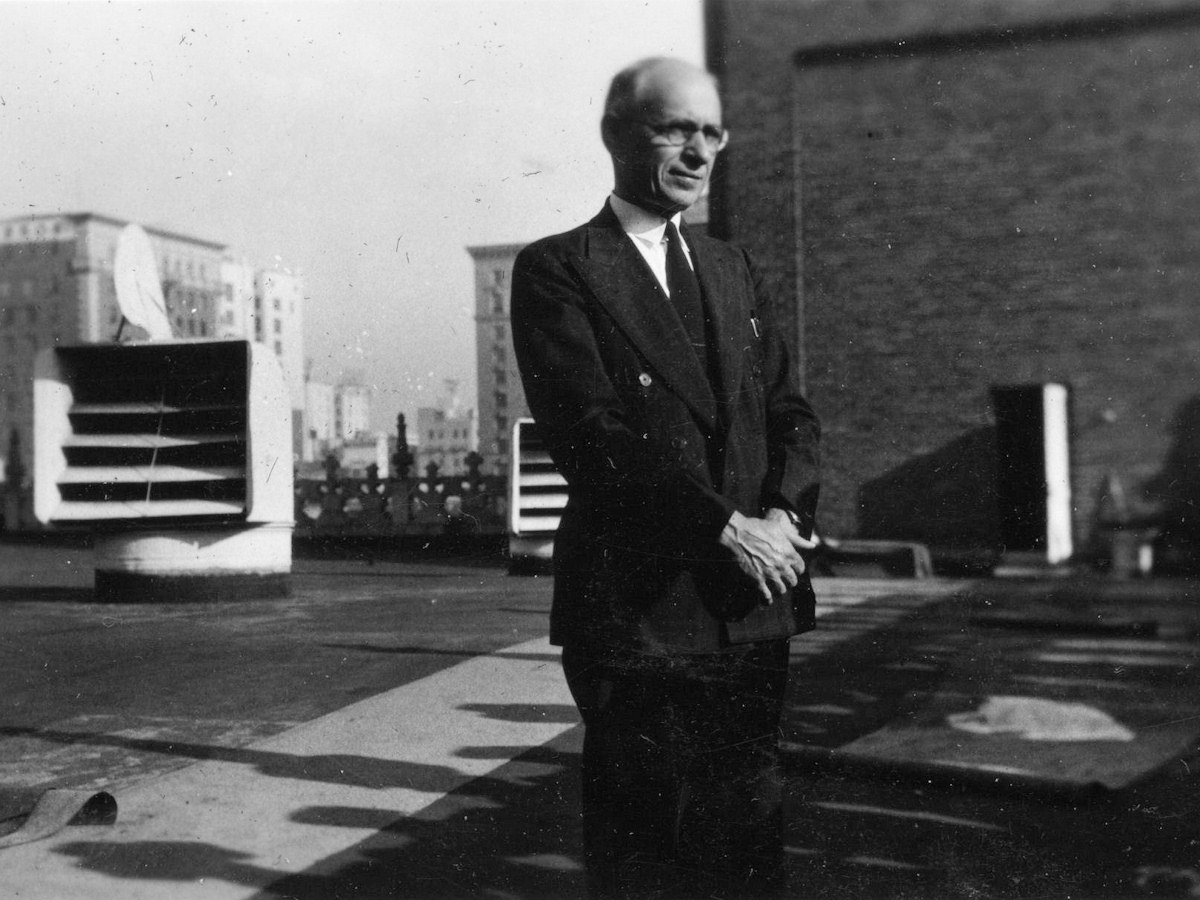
(657, 457)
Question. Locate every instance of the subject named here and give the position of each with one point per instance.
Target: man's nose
(697, 151)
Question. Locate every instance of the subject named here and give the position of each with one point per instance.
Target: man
(672, 408)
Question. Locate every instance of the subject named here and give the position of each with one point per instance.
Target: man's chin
(665, 207)
(678, 201)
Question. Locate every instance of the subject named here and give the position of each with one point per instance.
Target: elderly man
(671, 405)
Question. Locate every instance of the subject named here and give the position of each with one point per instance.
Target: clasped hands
(767, 550)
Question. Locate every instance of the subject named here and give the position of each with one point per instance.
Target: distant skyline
(365, 145)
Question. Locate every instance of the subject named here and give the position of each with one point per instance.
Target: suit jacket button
(644, 379)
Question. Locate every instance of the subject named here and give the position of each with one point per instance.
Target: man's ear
(610, 133)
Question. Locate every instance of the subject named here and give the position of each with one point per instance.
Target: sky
(364, 145)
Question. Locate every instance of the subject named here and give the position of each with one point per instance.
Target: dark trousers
(682, 794)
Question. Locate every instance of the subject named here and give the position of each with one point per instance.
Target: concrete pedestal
(244, 562)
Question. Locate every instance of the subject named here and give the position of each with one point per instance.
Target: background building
(359, 453)
(446, 435)
(337, 418)
(320, 421)
(351, 410)
(277, 320)
(958, 202)
(501, 397)
(445, 439)
(235, 307)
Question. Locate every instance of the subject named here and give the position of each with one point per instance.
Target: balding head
(636, 85)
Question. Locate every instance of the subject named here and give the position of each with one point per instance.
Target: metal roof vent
(179, 455)
(538, 496)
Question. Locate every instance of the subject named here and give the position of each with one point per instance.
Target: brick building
(958, 204)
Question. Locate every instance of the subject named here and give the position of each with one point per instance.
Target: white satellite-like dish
(139, 291)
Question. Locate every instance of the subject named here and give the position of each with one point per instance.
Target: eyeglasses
(681, 132)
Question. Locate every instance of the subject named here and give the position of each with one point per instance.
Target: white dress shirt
(648, 232)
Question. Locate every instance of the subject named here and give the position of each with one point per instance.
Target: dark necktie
(685, 293)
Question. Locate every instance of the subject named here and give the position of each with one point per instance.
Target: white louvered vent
(161, 430)
(539, 492)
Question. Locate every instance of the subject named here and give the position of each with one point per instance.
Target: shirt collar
(640, 223)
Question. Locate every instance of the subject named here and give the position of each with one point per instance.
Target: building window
(278, 305)
(278, 348)
(278, 327)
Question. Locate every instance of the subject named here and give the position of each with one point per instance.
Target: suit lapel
(623, 283)
(728, 311)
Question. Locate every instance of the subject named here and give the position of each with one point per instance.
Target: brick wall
(969, 212)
